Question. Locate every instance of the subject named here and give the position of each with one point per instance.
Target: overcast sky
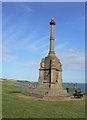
(26, 33)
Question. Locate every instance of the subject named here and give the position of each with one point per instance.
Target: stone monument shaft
(52, 23)
(50, 72)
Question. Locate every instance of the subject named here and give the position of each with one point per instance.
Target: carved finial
(52, 19)
(52, 22)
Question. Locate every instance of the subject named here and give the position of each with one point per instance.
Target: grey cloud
(73, 60)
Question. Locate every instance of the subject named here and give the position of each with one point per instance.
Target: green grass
(16, 107)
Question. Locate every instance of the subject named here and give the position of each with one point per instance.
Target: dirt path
(37, 98)
(28, 97)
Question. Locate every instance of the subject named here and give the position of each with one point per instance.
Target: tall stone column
(52, 23)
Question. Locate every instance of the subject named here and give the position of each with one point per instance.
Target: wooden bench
(78, 95)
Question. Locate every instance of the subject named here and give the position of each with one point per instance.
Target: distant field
(14, 106)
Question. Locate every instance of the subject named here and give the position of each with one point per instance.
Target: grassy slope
(0, 99)
(16, 107)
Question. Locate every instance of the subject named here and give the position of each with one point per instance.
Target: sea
(82, 86)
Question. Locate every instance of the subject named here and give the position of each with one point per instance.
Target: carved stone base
(57, 92)
(54, 91)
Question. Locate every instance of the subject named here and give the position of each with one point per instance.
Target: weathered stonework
(50, 72)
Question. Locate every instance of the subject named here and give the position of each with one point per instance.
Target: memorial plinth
(50, 72)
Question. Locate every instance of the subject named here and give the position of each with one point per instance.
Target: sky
(43, 0)
(26, 38)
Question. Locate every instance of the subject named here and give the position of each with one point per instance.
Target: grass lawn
(17, 107)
